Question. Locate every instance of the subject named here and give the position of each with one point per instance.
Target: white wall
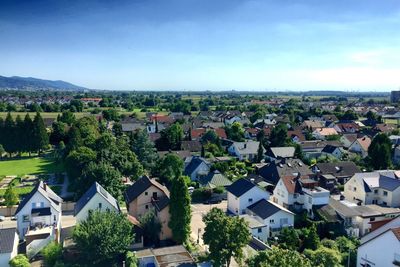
(26, 210)
(374, 254)
(263, 235)
(238, 205)
(6, 257)
(93, 204)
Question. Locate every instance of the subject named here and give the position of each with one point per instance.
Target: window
(295, 195)
(42, 204)
(354, 189)
(55, 218)
(25, 218)
(259, 230)
(376, 191)
(99, 206)
(146, 193)
(272, 221)
(310, 200)
(155, 195)
(284, 221)
(250, 200)
(384, 203)
(33, 205)
(372, 219)
(385, 193)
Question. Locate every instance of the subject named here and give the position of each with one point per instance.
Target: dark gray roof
(343, 168)
(193, 146)
(95, 188)
(264, 208)
(161, 202)
(239, 187)
(329, 149)
(288, 167)
(194, 164)
(281, 152)
(141, 185)
(388, 183)
(7, 236)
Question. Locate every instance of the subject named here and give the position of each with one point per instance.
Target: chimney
(44, 186)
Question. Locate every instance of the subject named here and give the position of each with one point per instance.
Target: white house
(39, 218)
(360, 146)
(370, 252)
(334, 151)
(243, 193)
(245, 150)
(196, 168)
(378, 187)
(8, 245)
(95, 198)
(272, 216)
(299, 193)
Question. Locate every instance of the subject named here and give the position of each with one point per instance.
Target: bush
(130, 259)
(19, 261)
(201, 194)
(51, 253)
(219, 190)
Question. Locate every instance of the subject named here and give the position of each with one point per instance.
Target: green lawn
(48, 115)
(34, 165)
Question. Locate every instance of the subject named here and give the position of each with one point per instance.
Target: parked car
(2, 218)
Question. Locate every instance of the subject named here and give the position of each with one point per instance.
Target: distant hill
(28, 83)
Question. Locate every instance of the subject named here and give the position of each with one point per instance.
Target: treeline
(18, 136)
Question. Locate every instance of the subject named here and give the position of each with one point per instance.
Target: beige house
(147, 194)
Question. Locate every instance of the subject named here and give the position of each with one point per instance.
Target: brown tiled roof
(396, 232)
(291, 185)
(364, 142)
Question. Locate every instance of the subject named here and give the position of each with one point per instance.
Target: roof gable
(240, 187)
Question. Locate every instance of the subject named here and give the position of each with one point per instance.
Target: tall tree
(260, 152)
(380, 152)
(145, 150)
(103, 237)
(311, 238)
(28, 132)
(179, 209)
(10, 196)
(19, 131)
(168, 167)
(173, 135)
(9, 137)
(151, 228)
(278, 136)
(226, 237)
(40, 138)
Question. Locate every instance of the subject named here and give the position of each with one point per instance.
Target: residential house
(274, 153)
(334, 151)
(243, 193)
(348, 139)
(39, 218)
(342, 171)
(296, 135)
(313, 148)
(147, 194)
(8, 245)
(245, 150)
(192, 146)
(385, 128)
(270, 219)
(196, 167)
(284, 167)
(95, 198)
(378, 187)
(312, 125)
(159, 123)
(360, 146)
(182, 154)
(346, 127)
(214, 179)
(323, 133)
(300, 193)
(175, 256)
(130, 125)
(386, 236)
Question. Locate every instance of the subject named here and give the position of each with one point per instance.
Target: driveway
(197, 224)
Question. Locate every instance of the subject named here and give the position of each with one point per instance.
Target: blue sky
(204, 44)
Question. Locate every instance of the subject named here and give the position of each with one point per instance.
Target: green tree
(40, 138)
(311, 238)
(151, 228)
(179, 209)
(145, 150)
(226, 237)
(28, 132)
(77, 160)
(19, 261)
(380, 152)
(58, 133)
(278, 136)
(103, 173)
(9, 138)
(278, 257)
(235, 132)
(19, 131)
(260, 152)
(52, 253)
(324, 256)
(169, 167)
(289, 238)
(67, 117)
(131, 259)
(103, 236)
(173, 136)
(10, 196)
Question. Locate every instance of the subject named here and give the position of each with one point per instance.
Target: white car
(190, 189)
(2, 218)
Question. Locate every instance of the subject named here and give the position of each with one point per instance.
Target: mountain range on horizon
(29, 83)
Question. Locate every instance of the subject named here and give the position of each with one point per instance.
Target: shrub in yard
(130, 259)
(51, 253)
(19, 261)
(201, 194)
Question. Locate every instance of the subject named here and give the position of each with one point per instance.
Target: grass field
(21, 191)
(24, 166)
